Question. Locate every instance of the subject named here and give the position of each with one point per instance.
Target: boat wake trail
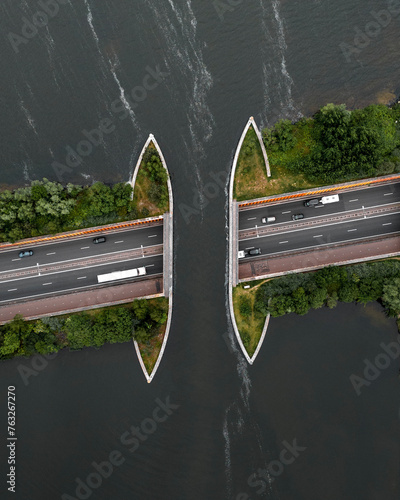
(277, 82)
(239, 424)
(184, 60)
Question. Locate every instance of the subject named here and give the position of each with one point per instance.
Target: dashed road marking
(288, 212)
(47, 283)
(81, 278)
(318, 236)
(287, 241)
(387, 224)
(252, 218)
(387, 194)
(84, 248)
(153, 236)
(12, 289)
(51, 253)
(120, 241)
(349, 230)
(356, 199)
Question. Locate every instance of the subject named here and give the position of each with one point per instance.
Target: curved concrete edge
(150, 377)
(233, 251)
(135, 172)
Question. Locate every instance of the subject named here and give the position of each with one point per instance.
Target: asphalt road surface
(308, 237)
(350, 200)
(69, 250)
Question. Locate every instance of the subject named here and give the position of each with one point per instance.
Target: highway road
(328, 234)
(351, 200)
(75, 250)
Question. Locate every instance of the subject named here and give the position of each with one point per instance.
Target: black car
(255, 251)
(297, 216)
(99, 239)
(25, 253)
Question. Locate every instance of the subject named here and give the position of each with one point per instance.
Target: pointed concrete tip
(152, 136)
(251, 118)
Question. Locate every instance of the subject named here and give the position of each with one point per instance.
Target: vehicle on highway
(268, 220)
(333, 198)
(312, 202)
(120, 275)
(255, 251)
(99, 239)
(241, 254)
(25, 253)
(297, 216)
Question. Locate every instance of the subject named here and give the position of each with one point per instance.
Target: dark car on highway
(255, 251)
(25, 253)
(297, 216)
(99, 239)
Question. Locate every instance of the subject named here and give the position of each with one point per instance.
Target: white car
(241, 254)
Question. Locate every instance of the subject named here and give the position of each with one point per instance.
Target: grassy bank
(150, 348)
(251, 179)
(336, 145)
(150, 194)
(362, 283)
(249, 320)
(141, 319)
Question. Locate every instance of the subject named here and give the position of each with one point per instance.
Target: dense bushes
(344, 144)
(141, 320)
(48, 207)
(304, 291)
(153, 168)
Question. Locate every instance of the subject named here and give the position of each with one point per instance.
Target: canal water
(79, 96)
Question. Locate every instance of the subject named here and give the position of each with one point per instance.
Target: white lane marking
(51, 253)
(283, 242)
(153, 236)
(84, 248)
(46, 283)
(387, 224)
(81, 278)
(252, 218)
(150, 265)
(349, 230)
(288, 212)
(356, 199)
(387, 194)
(249, 248)
(120, 241)
(318, 236)
(15, 259)
(12, 289)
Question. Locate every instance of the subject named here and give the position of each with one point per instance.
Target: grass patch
(251, 180)
(250, 322)
(150, 350)
(150, 194)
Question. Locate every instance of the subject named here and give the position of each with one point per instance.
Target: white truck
(329, 199)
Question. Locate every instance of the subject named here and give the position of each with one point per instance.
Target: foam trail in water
(277, 81)
(238, 417)
(184, 54)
